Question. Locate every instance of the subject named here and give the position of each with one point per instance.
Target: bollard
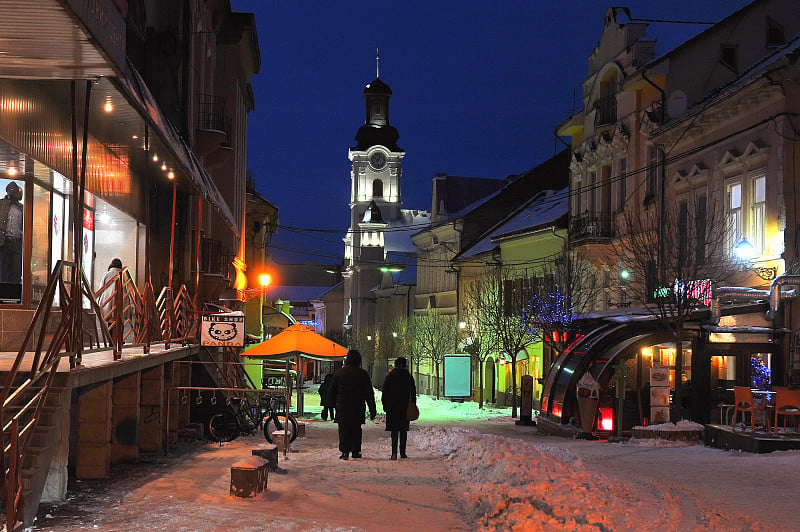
(269, 453)
(280, 439)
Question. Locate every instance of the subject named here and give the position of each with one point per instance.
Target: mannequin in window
(11, 224)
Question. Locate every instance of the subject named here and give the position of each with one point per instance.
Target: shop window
(40, 264)
(12, 238)
(760, 371)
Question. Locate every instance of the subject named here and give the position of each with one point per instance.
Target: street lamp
(264, 279)
(744, 253)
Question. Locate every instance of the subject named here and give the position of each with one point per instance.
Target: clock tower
(376, 169)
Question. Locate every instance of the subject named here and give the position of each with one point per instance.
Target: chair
(787, 403)
(743, 399)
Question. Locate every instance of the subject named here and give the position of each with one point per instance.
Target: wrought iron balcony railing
(591, 226)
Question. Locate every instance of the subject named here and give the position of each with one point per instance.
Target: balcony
(605, 111)
(591, 227)
(213, 126)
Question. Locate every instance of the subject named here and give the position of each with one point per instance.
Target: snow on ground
(469, 469)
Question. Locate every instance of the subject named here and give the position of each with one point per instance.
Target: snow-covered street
(468, 470)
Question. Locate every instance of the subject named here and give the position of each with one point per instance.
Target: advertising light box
(457, 376)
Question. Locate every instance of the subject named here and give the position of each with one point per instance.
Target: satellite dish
(676, 104)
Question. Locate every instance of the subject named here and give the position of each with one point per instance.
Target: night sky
(478, 89)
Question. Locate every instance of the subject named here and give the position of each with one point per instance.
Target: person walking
(351, 389)
(325, 398)
(399, 390)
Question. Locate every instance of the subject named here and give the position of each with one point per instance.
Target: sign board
(222, 330)
(457, 374)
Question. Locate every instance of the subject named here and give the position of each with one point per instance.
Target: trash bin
(588, 392)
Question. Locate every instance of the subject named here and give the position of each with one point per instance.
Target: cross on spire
(377, 63)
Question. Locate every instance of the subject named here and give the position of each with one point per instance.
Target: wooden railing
(124, 316)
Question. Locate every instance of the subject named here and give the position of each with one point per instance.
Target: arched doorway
(489, 381)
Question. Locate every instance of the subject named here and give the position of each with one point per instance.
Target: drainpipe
(775, 293)
(750, 295)
(663, 165)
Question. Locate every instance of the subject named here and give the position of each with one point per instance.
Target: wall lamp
(744, 253)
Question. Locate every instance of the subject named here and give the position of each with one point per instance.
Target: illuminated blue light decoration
(762, 375)
(549, 313)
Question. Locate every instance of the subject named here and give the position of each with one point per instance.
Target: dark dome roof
(377, 87)
(370, 135)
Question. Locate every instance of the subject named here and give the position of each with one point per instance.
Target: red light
(606, 421)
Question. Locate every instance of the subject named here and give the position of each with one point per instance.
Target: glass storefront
(36, 230)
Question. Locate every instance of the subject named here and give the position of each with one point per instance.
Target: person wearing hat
(11, 224)
(351, 390)
(399, 389)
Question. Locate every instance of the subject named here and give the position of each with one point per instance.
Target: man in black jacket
(351, 389)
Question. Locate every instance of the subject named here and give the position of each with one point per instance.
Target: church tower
(376, 168)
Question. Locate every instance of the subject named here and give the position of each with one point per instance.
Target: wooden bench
(249, 477)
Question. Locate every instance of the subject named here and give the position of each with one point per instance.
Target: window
(622, 185)
(734, 215)
(728, 56)
(759, 213)
(12, 228)
(683, 234)
(653, 168)
(747, 213)
(593, 194)
(605, 187)
(700, 219)
(377, 188)
(776, 36)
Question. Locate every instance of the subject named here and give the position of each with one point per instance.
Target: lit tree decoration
(762, 375)
(548, 313)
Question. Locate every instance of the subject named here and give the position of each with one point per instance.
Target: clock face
(377, 160)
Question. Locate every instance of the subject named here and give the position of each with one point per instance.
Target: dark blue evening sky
(478, 88)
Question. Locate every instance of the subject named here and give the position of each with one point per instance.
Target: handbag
(412, 412)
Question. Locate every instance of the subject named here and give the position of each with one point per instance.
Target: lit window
(734, 215)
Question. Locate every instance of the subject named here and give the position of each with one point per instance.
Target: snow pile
(683, 425)
(513, 485)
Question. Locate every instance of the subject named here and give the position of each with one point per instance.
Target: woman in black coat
(351, 393)
(325, 399)
(398, 390)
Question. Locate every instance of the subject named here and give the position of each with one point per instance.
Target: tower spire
(377, 63)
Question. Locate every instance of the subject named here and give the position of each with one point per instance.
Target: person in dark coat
(398, 390)
(351, 389)
(325, 398)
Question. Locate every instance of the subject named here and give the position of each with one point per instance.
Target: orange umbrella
(297, 340)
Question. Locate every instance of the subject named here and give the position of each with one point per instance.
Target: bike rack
(234, 389)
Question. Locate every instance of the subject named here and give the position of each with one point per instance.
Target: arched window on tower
(377, 188)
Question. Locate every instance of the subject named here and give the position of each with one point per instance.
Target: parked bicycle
(239, 417)
(275, 418)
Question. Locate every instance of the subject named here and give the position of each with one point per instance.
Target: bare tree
(673, 261)
(434, 335)
(494, 305)
(363, 340)
(566, 291)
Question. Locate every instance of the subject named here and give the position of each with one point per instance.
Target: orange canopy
(297, 340)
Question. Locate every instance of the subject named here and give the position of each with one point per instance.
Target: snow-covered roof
(543, 209)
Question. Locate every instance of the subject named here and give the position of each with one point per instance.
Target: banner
(226, 330)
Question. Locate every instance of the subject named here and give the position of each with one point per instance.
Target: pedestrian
(399, 390)
(325, 398)
(351, 389)
(106, 299)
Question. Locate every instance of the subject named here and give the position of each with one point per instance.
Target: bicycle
(238, 418)
(275, 418)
